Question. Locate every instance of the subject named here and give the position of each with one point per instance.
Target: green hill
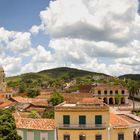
(131, 76)
(56, 73)
(55, 78)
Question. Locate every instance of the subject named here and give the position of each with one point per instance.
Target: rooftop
(35, 124)
(117, 121)
(86, 104)
(110, 86)
(35, 102)
(6, 104)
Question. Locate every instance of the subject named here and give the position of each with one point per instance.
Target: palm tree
(118, 97)
(133, 89)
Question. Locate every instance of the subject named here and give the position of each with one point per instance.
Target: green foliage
(131, 76)
(34, 114)
(72, 89)
(53, 78)
(31, 93)
(133, 89)
(22, 87)
(56, 99)
(7, 126)
(48, 114)
(118, 98)
(12, 84)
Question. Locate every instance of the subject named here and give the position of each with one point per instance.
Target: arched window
(82, 137)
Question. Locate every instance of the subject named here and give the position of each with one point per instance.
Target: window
(82, 137)
(105, 92)
(66, 120)
(111, 92)
(99, 92)
(43, 136)
(66, 137)
(123, 92)
(82, 120)
(30, 135)
(120, 136)
(98, 137)
(98, 120)
(116, 91)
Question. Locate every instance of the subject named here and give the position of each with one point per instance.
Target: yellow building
(108, 93)
(89, 119)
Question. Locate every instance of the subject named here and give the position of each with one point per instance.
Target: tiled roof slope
(36, 102)
(6, 104)
(118, 122)
(91, 100)
(36, 124)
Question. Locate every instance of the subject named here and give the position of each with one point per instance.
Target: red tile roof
(6, 104)
(36, 124)
(21, 99)
(118, 122)
(39, 102)
(91, 101)
(35, 102)
(109, 86)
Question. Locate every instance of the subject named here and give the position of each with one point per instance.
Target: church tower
(2, 80)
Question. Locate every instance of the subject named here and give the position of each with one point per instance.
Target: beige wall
(90, 134)
(108, 91)
(74, 117)
(128, 133)
(74, 120)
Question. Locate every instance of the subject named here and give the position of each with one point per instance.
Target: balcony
(82, 127)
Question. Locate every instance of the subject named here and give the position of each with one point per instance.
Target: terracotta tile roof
(117, 121)
(35, 102)
(109, 86)
(94, 100)
(6, 104)
(39, 102)
(21, 99)
(77, 96)
(36, 124)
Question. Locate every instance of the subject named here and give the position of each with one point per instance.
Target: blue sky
(20, 15)
(37, 36)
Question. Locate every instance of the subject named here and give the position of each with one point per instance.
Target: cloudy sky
(95, 35)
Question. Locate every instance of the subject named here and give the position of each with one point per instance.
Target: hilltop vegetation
(131, 76)
(55, 78)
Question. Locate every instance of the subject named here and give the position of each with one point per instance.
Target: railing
(82, 126)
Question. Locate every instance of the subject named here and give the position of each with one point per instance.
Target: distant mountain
(57, 73)
(131, 76)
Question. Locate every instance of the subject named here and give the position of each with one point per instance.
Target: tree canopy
(56, 98)
(7, 126)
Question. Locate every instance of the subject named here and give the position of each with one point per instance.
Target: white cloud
(82, 32)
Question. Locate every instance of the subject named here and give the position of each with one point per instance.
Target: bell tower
(2, 80)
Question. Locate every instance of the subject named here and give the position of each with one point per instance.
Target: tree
(118, 97)
(34, 114)
(133, 89)
(56, 99)
(8, 126)
(22, 87)
(31, 93)
(48, 114)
